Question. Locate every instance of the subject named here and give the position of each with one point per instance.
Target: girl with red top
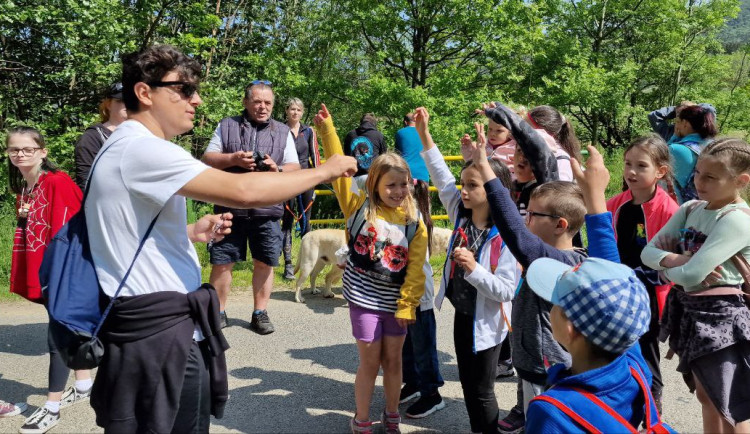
(46, 199)
(638, 214)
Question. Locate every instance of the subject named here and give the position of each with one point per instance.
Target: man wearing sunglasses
(164, 368)
(235, 147)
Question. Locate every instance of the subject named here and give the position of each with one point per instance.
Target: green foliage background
(604, 63)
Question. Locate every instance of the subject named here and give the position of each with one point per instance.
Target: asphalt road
(298, 379)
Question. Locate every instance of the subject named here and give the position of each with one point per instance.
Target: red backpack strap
(496, 248)
(570, 413)
(599, 403)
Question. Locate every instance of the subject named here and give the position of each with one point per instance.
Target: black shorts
(261, 234)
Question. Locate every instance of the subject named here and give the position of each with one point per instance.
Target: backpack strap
(358, 221)
(570, 413)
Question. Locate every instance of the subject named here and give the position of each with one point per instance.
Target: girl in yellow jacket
(384, 277)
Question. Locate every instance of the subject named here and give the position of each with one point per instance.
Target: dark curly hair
(152, 64)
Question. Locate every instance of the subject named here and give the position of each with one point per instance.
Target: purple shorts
(369, 325)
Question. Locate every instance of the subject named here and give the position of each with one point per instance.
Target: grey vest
(240, 134)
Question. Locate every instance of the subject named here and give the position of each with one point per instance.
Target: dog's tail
(301, 253)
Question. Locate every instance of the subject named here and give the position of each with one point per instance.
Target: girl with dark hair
(111, 114)
(694, 128)
(480, 276)
(46, 199)
(638, 214)
(553, 122)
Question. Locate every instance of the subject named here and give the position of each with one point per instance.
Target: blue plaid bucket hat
(604, 300)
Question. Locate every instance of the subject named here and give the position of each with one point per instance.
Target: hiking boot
(425, 406)
(261, 324)
(73, 396)
(8, 409)
(360, 427)
(223, 320)
(41, 421)
(505, 369)
(391, 422)
(513, 422)
(408, 393)
(288, 272)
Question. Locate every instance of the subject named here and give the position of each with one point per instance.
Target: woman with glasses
(111, 114)
(46, 198)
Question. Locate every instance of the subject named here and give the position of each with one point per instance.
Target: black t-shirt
(631, 234)
(462, 294)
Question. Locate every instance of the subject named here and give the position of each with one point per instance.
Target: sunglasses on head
(266, 82)
(186, 89)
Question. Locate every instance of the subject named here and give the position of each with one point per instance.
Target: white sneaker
(72, 396)
(41, 421)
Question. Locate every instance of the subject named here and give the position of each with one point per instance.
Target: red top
(53, 201)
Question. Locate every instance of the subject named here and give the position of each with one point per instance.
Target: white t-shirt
(130, 184)
(290, 150)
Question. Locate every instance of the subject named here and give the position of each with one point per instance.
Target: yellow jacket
(413, 287)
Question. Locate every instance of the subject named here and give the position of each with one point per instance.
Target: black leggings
(287, 221)
(649, 343)
(477, 375)
(58, 370)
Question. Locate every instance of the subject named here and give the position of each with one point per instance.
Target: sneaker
(425, 406)
(41, 421)
(72, 396)
(261, 324)
(288, 272)
(513, 422)
(8, 409)
(505, 369)
(223, 320)
(360, 427)
(408, 393)
(391, 422)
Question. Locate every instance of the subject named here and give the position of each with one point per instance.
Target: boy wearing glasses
(555, 213)
(238, 145)
(164, 368)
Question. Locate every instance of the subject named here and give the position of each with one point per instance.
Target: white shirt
(131, 183)
(290, 149)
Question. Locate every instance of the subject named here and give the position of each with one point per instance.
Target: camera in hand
(260, 164)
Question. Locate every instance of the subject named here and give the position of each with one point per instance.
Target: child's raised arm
(541, 158)
(440, 174)
(525, 246)
(348, 201)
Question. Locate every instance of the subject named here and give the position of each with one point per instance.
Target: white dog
(319, 247)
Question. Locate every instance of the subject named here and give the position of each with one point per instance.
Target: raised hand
(322, 115)
(422, 120)
(485, 106)
(593, 181)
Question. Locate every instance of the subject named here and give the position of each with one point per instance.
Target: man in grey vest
(247, 143)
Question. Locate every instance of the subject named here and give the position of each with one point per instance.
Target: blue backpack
(72, 292)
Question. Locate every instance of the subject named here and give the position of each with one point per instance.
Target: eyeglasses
(530, 214)
(266, 82)
(27, 152)
(186, 89)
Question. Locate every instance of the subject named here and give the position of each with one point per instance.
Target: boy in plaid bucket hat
(600, 311)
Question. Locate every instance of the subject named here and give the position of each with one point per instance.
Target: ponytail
(422, 197)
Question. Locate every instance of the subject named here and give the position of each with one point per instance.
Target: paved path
(299, 379)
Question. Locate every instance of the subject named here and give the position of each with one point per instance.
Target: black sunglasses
(186, 89)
